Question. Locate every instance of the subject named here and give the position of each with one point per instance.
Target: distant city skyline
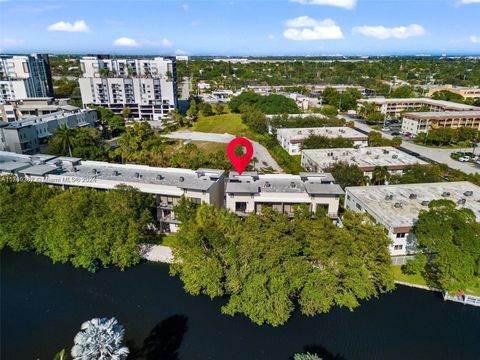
(242, 27)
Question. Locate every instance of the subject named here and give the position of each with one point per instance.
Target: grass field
(419, 280)
(225, 123)
(411, 279)
(209, 146)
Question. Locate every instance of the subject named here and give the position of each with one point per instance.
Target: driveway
(439, 155)
(259, 151)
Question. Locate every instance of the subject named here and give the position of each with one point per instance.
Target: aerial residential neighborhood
(239, 180)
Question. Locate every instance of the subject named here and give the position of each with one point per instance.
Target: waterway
(43, 305)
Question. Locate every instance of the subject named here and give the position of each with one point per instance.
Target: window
(240, 206)
(398, 247)
(401, 235)
(359, 207)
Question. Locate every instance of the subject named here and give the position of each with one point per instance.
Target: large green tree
(265, 264)
(453, 235)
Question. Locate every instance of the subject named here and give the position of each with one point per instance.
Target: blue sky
(241, 27)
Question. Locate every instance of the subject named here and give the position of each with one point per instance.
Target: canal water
(43, 305)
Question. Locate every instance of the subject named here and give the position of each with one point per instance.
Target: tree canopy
(453, 235)
(271, 104)
(86, 227)
(324, 142)
(267, 264)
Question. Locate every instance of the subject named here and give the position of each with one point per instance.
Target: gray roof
(313, 184)
(38, 170)
(13, 166)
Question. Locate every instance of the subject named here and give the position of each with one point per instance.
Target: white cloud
(181, 52)
(475, 39)
(77, 26)
(346, 4)
(467, 2)
(382, 32)
(162, 42)
(125, 41)
(185, 7)
(305, 28)
(11, 41)
(166, 42)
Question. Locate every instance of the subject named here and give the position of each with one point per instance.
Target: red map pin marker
(240, 163)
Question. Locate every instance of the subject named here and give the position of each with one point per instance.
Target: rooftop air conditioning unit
(445, 194)
(159, 177)
(395, 156)
(461, 201)
(181, 179)
(267, 184)
(413, 196)
(389, 197)
(398, 205)
(137, 175)
(468, 193)
(115, 173)
(293, 185)
(425, 203)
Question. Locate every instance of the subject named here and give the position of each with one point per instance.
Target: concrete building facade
(26, 136)
(167, 185)
(147, 86)
(422, 122)
(466, 92)
(396, 207)
(366, 158)
(24, 77)
(396, 107)
(250, 193)
(291, 139)
(14, 110)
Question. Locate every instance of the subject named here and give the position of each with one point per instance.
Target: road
(259, 151)
(439, 155)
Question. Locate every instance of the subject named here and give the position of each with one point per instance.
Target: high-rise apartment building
(148, 87)
(24, 77)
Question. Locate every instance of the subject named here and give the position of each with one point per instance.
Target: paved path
(260, 152)
(158, 253)
(439, 155)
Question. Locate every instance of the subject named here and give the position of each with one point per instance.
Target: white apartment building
(250, 193)
(366, 158)
(291, 139)
(466, 92)
(395, 107)
(28, 135)
(422, 122)
(396, 207)
(147, 86)
(24, 77)
(14, 110)
(167, 185)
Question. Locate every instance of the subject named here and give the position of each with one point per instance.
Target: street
(438, 155)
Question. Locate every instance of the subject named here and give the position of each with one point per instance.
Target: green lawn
(168, 240)
(225, 123)
(209, 146)
(411, 279)
(419, 280)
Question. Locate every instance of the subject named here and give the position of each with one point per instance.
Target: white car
(464, 159)
(385, 129)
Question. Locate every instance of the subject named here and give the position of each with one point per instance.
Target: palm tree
(66, 135)
(380, 175)
(254, 160)
(100, 339)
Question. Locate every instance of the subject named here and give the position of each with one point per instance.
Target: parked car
(464, 159)
(395, 133)
(385, 129)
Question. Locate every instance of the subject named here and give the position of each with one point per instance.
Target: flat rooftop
(311, 183)
(42, 119)
(43, 165)
(443, 114)
(412, 198)
(365, 158)
(299, 134)
(444, 103)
